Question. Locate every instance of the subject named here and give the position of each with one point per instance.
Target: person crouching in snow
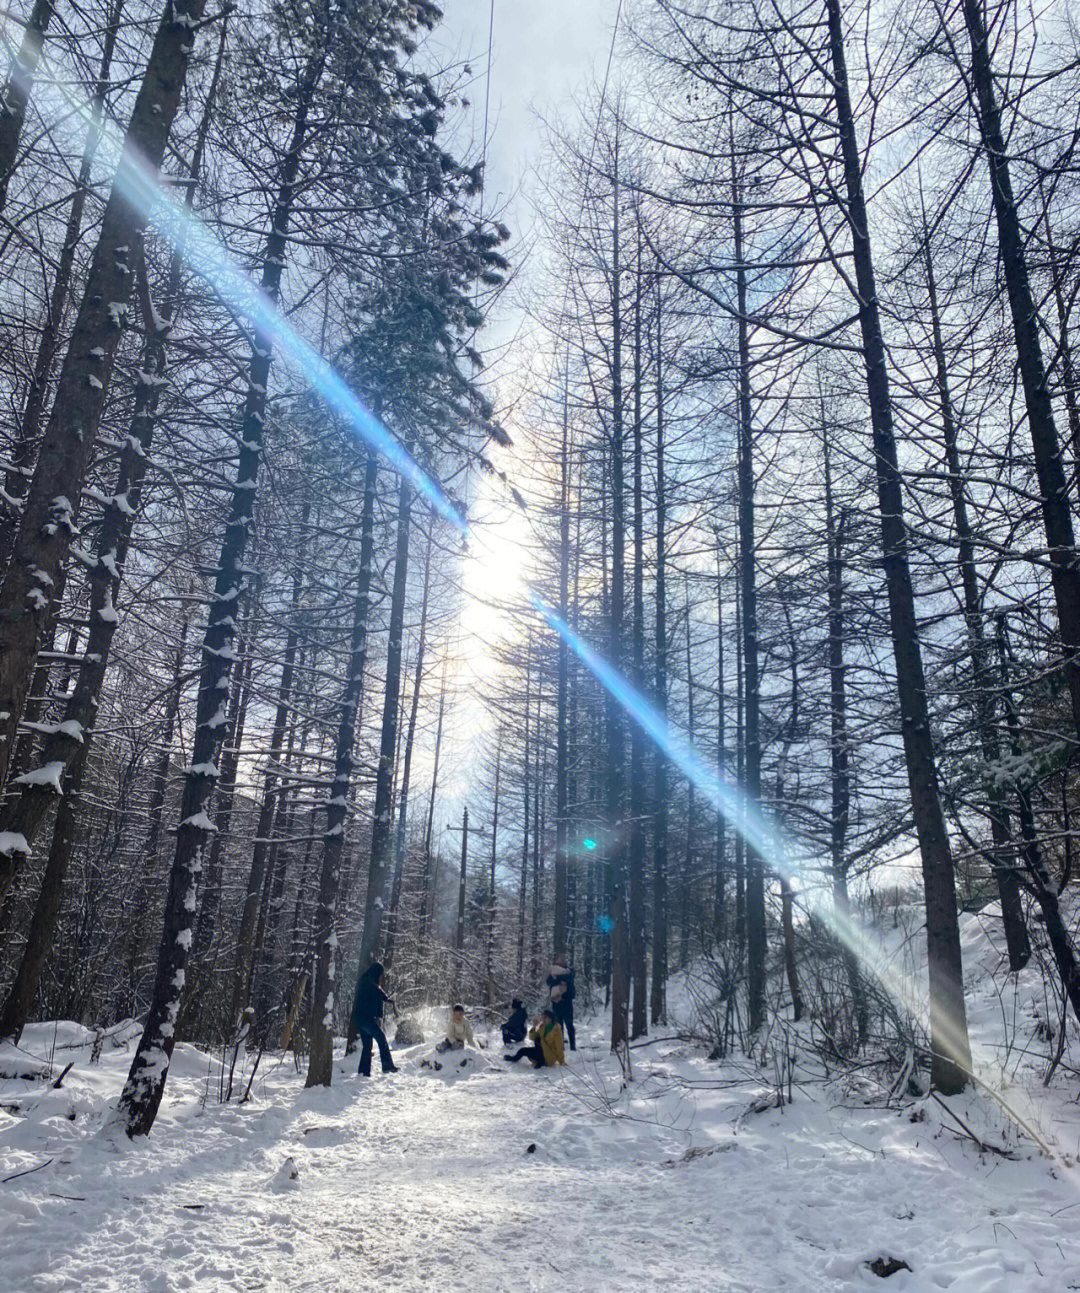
(458, 1032)
(547, 1050)
(513, 1031)
(367, 1015)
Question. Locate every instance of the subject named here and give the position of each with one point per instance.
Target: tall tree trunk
(639, 1020)
(562, 734)
(48, 521)
(839, 743)
(787, 897)
(145, 1084)
(1053, 490)
(740, 766)
(1069, 376)
(26, 435)
(382, 824)
(429, 895)
(951, 1061)
(685, 888)
(1003, 857)
(324, 997)
(526, 774)
(246, 938)
(755, 864)
(70, 739)
(1061, 943)
(719, 878)
(15, 94)
(487, 988)
(658, 994)
(615, 722)
(406, 769)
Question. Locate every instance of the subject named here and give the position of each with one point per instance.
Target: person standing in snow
(458, 1032)
(367, 1013)
(561, 990)
(547, 1048)
(513, 1031)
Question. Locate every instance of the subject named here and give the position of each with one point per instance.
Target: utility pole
(459, 933)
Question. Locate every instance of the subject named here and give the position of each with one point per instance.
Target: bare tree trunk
(658, 995)
(719, 878)
(49, 517)
(526, 773)
(639, 1019)
(787, 918)
(246, 938)
(951, 1063)
(755, 865)
(25, 439)
(487, 988)
(324, 997)
(15, 94)
(691, 795)
(1003, 857)
(615, 723)
(1061, 943)
(382, 825)
(145, 1085)
(1053, 489)
(563, 666)
(428, 897)
(839, 743)
(406, 769)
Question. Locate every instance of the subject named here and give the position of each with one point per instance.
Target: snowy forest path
(423, 1179)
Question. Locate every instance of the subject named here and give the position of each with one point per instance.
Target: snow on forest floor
(422, 1179)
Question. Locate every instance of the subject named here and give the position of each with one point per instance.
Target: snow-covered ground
(500, 1178)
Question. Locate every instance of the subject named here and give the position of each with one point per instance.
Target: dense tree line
(797, 447)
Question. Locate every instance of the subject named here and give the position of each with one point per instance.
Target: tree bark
(1003, 857)
(48, 521)
(839, 743)
(614, 721)
(755, 865)
(658, 994)
(25, 439)
(324, 997)
(951, 1060)
(382, 824)
(145, 1084)
(639, 1022)
(15, 94)
(1053, 489)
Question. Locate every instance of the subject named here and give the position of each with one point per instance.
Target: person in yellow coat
(547, 1048)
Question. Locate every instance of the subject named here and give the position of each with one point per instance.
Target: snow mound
(449, 1065)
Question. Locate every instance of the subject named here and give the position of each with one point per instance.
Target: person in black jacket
(367, 1013)
(513, 1031)
(561, 990)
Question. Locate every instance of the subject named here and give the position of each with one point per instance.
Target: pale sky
(544, 52)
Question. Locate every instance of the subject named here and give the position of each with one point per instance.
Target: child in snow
(458, 1032)
(547, 1048)
(513, 1031)
(561, 988)
(367, 1015)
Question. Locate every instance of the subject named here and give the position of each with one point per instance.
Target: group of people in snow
(545, 1035)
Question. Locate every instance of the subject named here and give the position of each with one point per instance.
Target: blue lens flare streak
(759, 833)
(204, 254)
